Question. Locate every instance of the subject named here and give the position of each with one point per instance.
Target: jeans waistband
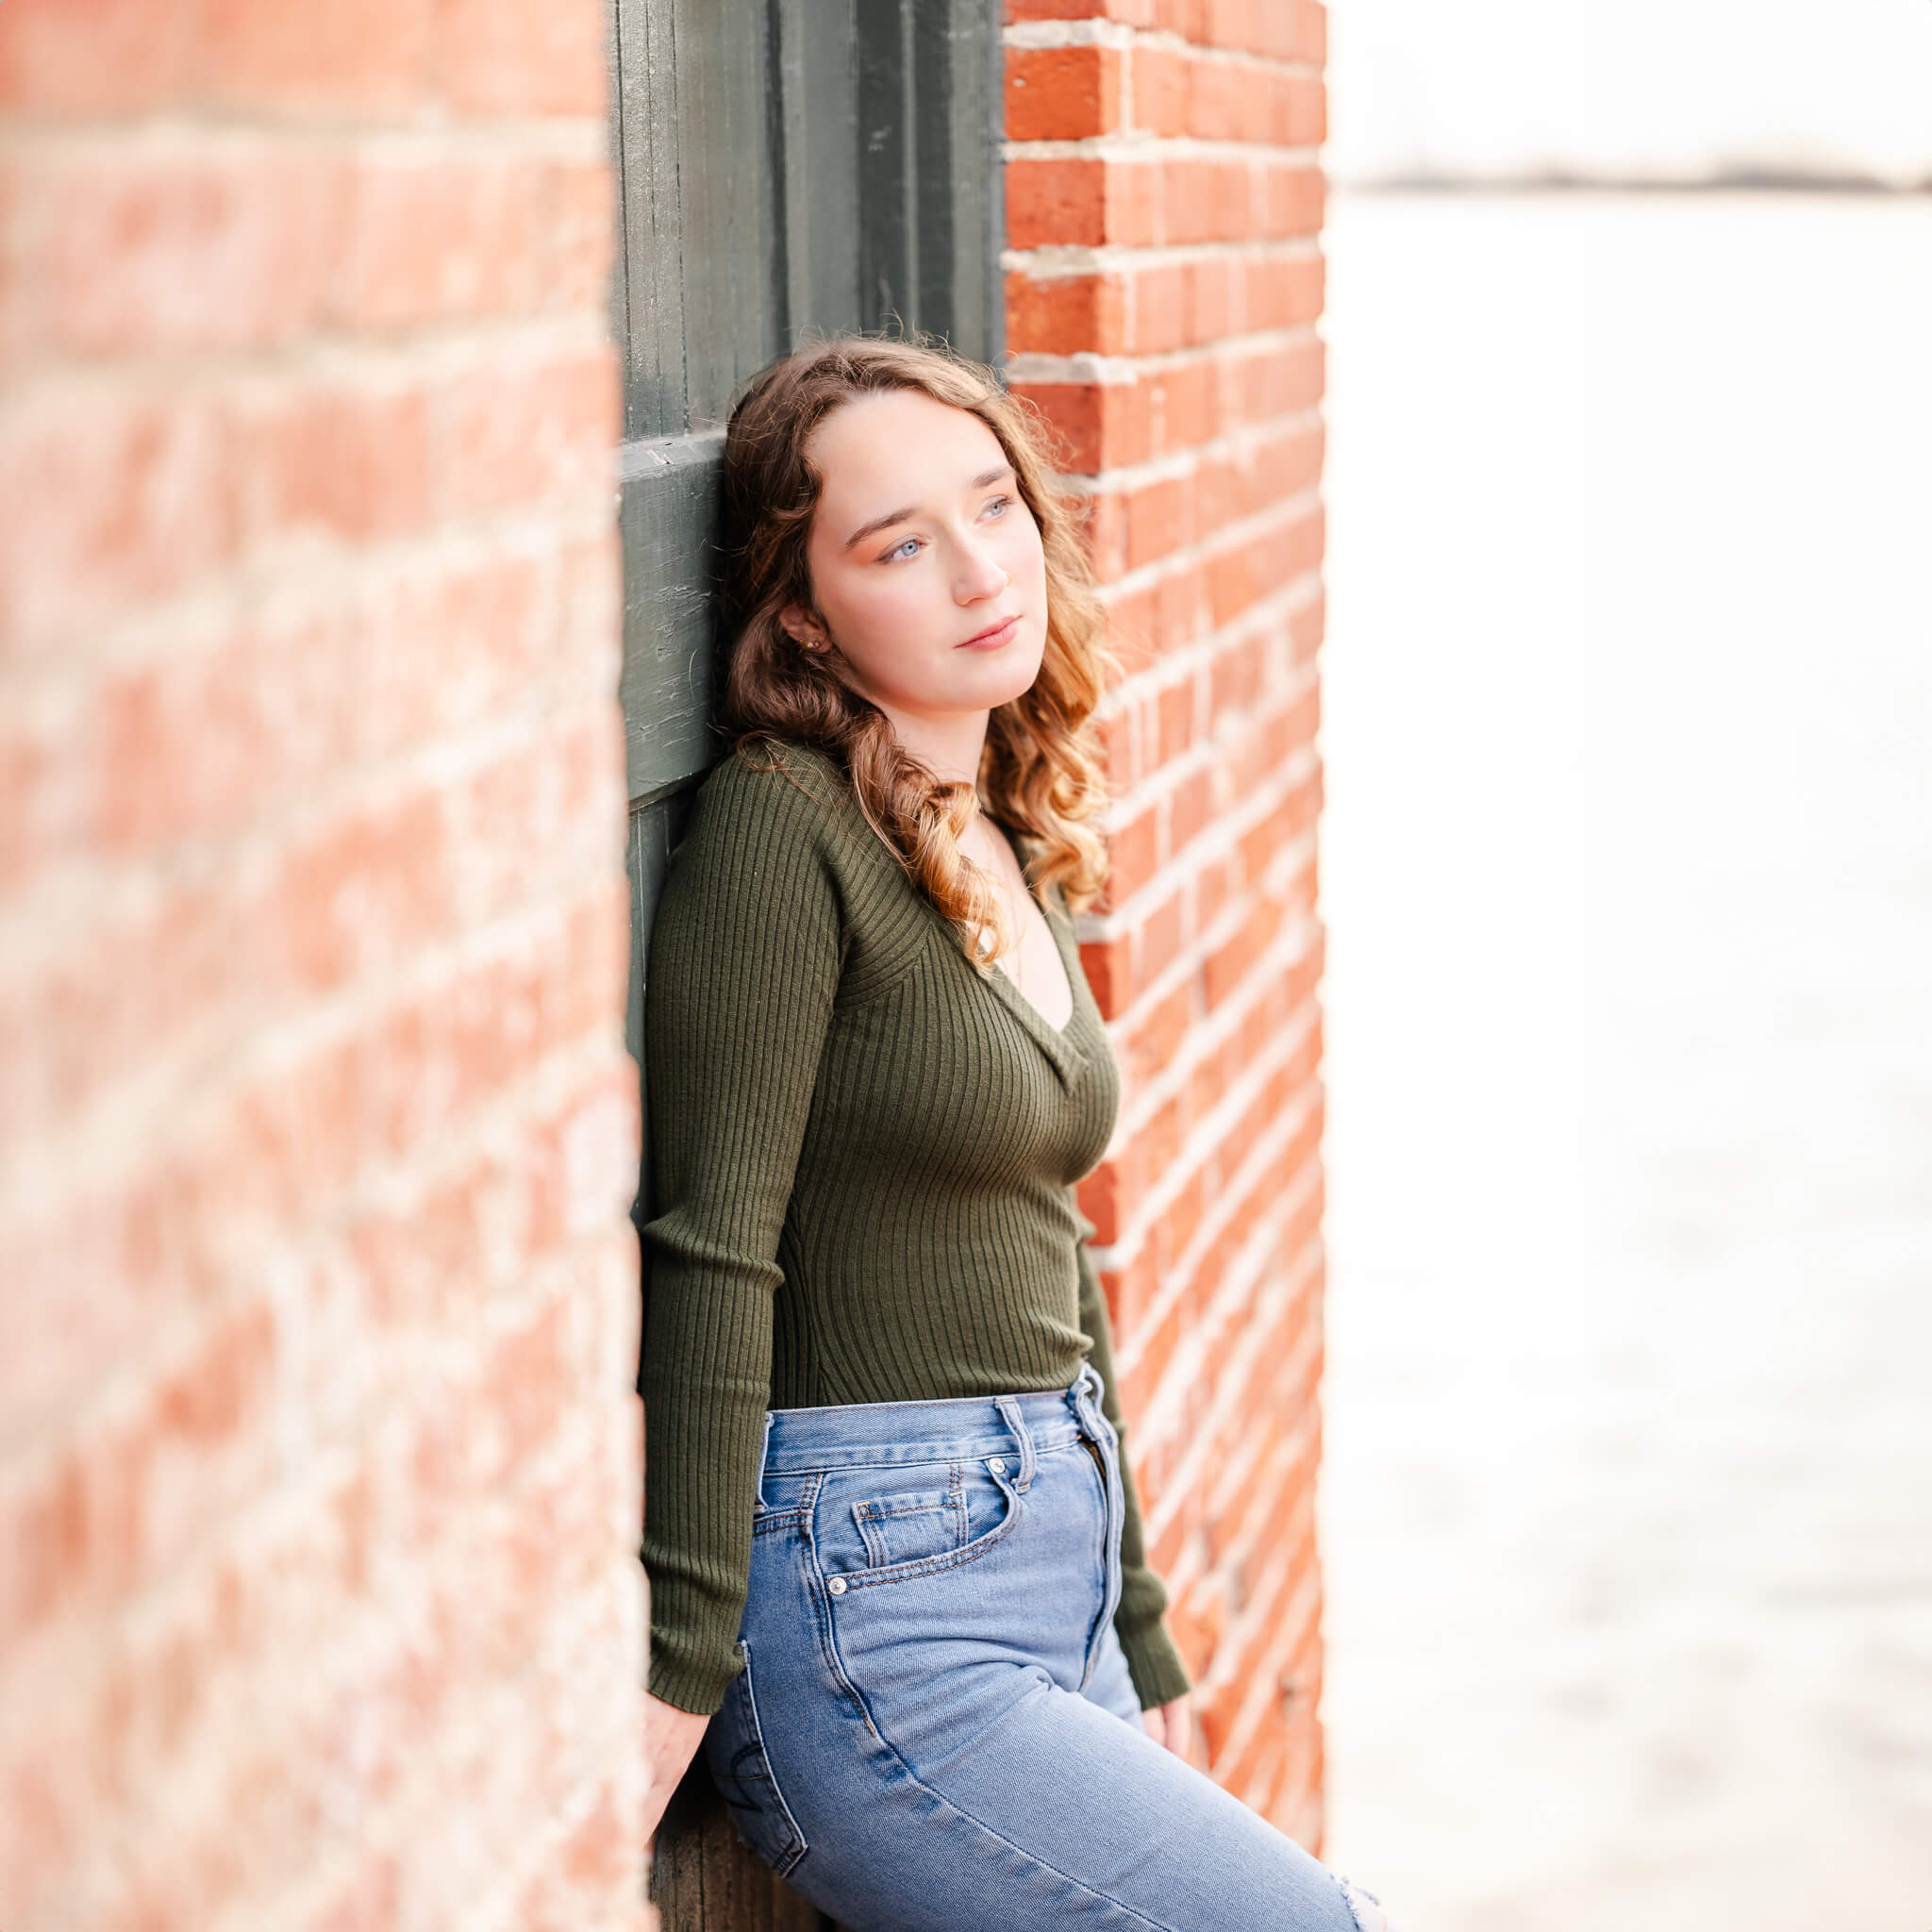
(954, 1429)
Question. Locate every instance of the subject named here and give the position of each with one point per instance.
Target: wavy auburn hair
(1041, 773)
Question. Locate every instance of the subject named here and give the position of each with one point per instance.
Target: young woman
(898, 1586)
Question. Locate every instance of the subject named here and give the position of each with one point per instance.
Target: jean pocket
(911, 1523)
(735, 1751)
(982, 1508)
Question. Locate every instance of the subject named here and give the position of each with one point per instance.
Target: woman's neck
(948, 744)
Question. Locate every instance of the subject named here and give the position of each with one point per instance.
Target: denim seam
(933, 1455)
(800, 1844)
(1096, 1637)
(1041, 1395)
(820, 1599)
(875, 1551)
(764, 1450)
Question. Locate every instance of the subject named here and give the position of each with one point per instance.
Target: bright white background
(1631, 87)
(1628, 865)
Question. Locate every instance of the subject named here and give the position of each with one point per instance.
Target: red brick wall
(1164, 207)
(320, 1606)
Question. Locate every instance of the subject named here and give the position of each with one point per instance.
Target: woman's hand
(1171, 1724)
(672, 1737)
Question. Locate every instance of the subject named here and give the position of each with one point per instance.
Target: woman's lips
(1001, 633)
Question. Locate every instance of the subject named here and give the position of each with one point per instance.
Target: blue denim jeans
(934, 1729)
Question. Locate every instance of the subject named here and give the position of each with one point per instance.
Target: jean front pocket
(910, 1524)
(735, 1752)
(857, 1525)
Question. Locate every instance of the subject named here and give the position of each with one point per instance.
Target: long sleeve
(1159, 1676)
(743, 968)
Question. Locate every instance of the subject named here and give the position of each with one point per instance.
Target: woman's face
(925, 563)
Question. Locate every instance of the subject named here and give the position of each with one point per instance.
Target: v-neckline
(1055, 1042)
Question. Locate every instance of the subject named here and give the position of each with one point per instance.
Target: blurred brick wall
(1164, 207)
(319, 1455)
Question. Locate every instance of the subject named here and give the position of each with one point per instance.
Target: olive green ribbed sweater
(864, 1159)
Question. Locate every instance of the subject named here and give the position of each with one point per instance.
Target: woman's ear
(798, 625)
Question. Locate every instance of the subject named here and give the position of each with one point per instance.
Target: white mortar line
(1043, 34)
(239, 133)
(1068, 33)
(1145, 145)
(1060, 260)
(1034, 366)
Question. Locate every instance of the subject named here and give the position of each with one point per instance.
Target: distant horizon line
(1742, 178)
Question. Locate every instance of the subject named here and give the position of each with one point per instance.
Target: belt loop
(1009, 1411)
(764, 1450)
(1085, 1392)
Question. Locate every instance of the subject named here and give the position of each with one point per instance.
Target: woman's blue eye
(1000, 504)
(899, 549)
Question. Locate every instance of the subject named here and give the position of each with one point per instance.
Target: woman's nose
(980, 576)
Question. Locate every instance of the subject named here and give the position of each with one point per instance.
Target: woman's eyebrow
(878, 523)
(911, 510)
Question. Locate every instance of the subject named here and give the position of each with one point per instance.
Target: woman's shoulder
(754, 864)
(777, 815)
(777, 853)
(779, 781)
(777, 792)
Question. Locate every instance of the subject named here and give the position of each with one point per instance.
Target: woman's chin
(1008, 675)
(971, 681)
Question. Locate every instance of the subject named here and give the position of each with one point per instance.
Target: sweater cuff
(697, 1687)
(1155, 1665)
